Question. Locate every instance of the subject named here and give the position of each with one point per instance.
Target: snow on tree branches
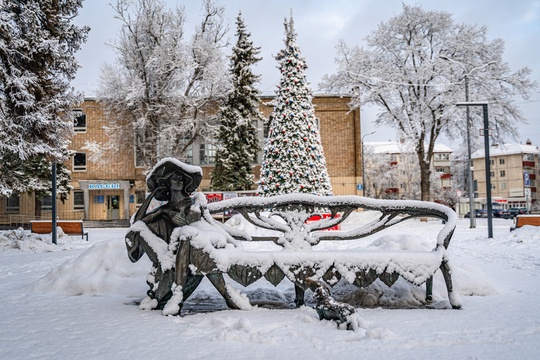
(414, 69)
(38, 43)
(238, 142)
(162, 93)
(293, 159)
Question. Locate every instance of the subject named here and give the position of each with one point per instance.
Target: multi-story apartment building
(114, 186)
(400, 177)
(514, 169)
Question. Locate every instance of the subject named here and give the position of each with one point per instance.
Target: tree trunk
(425, 182)
(37, 207)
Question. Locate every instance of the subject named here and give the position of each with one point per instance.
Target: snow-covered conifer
(38, 43)
(293, 159)
(238, 142)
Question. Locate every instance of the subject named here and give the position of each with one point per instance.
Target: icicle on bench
(286, 217)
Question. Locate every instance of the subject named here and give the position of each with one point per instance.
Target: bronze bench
(209, 248)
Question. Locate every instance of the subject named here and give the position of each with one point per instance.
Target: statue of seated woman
(173, 182)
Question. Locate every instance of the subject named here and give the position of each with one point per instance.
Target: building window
(79, 162)
(79, 121)
(491, 162)
(492, 173)
(493, 187)
(12, 203)
(528, 157)
(46, 203)
(442, 156)
(501, 161)
(207, 154)
(502, 186)
(502, 173)
(78, 199)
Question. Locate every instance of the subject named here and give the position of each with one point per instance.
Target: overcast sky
(320, 24)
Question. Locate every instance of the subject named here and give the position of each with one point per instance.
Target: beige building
(111, 188)
(513, 172)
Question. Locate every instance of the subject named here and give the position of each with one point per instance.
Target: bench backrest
(533, 220)
(45, 227)
(290, 215)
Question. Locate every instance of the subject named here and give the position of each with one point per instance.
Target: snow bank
(24, 240)
(102, 269)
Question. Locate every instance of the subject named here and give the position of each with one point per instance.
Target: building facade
(514, 169)
(112, 187)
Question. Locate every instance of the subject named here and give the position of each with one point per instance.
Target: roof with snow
(507, 149)
(396, 147)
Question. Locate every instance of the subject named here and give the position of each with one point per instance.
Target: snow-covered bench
(212, 249)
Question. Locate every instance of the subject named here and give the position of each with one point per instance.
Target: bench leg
(453, 297)
(299, 296)
(429, 290)
(217, 280)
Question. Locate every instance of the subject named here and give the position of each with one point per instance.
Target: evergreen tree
(293, 159)
(37, 63)
(238, 142)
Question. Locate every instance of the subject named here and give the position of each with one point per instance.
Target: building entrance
(113, 207)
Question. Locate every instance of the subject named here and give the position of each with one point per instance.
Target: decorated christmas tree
(238, 143)
(293, 159)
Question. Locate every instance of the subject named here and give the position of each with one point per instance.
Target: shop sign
(106, 186)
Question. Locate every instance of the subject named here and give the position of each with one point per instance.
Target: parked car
(497, 213)
(511, 213)
(479, 213)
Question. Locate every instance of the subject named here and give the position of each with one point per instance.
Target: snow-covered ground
(79, 300)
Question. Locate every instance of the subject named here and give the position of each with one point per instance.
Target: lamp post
(363, 167)
(53, 209)
(472, 213)
(487, 162)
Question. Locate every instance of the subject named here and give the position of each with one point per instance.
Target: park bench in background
(69, 227)
(521, 220)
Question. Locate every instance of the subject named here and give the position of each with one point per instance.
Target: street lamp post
(487, 162)
(472, 211)
(363, 167)
(53, 212)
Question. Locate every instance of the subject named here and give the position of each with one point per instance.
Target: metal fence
(23, 220)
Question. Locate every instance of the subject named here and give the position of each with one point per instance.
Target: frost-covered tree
(38, 43)
(380, 172)
(238, 143)
(414, 69)
(293, 158)
(163, 90)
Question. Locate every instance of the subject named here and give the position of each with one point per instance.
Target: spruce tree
(293, 159)
(37, 63)
(237, 136)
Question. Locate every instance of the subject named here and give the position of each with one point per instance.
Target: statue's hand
(179, 219)
(134, 249)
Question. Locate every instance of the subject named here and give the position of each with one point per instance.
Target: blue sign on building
(526, 179)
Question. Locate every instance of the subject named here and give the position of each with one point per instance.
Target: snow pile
(102, 269)
(523, 237)
(24, 240)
